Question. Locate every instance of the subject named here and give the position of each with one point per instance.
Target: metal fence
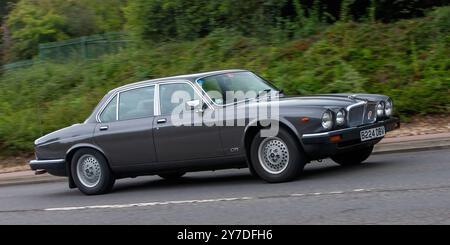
(83, 48)
(19, 64)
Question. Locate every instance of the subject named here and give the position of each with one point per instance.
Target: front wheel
(353, 157)
(277, 159)
(91, 172)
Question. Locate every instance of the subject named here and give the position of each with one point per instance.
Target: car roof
(188, 77)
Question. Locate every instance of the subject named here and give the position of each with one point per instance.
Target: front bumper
(54, 167)
(320, 145)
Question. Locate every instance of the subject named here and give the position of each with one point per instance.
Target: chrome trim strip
(117, 106)
(171, 78)
(47, 161)
(355, 105)
(316, 135)
(156, 105)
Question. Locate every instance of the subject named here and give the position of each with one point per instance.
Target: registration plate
(372, 133)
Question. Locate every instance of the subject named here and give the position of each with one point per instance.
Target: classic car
(134, 131)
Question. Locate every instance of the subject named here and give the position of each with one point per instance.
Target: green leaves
(30, 26)
(158, 20)
(31, 23)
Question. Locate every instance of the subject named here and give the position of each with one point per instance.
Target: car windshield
(234, 86)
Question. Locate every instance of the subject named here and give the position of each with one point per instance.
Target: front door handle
(162, 120)
(104, 128)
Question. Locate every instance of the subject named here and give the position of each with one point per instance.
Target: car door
(178, 137)
(125, 132)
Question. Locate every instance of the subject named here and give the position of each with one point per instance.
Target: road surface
(400, 188)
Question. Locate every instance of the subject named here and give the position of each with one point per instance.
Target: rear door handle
(162, 120)
(104, 128)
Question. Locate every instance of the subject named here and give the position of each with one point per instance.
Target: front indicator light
(336, 138)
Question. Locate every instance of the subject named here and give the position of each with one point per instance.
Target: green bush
(31, 23)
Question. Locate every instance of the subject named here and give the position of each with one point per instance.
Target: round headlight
(340, 117)
(327, 120)
(380, 109)
(388, 108)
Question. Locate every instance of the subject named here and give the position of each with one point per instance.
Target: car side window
(171, 92)
(109, 113)
(136, 103)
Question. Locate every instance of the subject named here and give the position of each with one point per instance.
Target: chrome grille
(362, 113)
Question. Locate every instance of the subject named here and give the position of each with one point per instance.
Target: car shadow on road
(240, 177)
(231, 179)
(213, 180)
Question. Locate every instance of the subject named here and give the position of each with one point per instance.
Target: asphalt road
(401, 188)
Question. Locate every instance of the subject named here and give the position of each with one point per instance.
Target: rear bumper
(319, 145)
(55, 167)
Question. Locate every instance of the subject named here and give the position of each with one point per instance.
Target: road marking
(297, 195)
(336, 192)
(148, 204)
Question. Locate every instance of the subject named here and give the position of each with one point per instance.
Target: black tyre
(277, 159)
(91, 172)
(171, 176)
(353, 158)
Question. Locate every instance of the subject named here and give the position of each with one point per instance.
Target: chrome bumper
(349, 134)
(55, 167)
(322, 145)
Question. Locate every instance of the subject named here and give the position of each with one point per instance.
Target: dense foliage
(177, 19)
(407, 59)
(31, 22)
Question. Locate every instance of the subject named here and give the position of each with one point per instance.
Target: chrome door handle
(104, 128)
(163, 120)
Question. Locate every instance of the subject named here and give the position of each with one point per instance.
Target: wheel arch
(254, 127)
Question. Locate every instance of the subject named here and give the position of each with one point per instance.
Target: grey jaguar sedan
(210, 121)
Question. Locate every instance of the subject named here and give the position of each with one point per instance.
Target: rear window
(133, 104)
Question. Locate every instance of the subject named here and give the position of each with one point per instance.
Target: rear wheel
(91, 172)
(353, 157)
(172, 176)
(277, 159)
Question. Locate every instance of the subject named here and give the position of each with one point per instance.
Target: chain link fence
(83, 48)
